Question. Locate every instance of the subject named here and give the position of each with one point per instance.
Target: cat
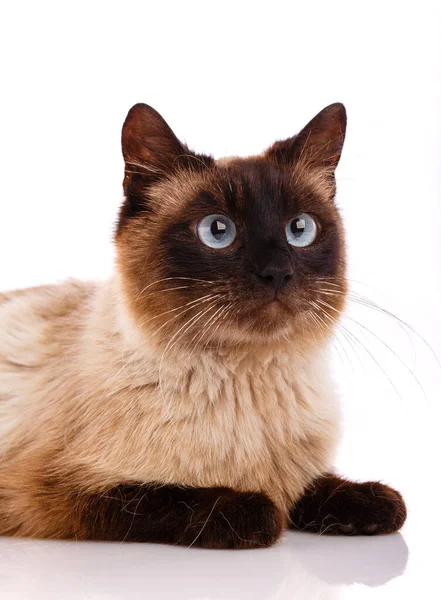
(188, 400)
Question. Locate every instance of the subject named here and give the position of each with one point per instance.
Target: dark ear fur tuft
(151, 151)
(149, 145)
(318, 145)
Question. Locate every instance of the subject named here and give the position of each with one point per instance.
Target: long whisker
(185, 327)
(361, 345)
(412, 374)
(175, 338)
(408, 369)
(320, 315)
(222, 317)
(357, 298)
(191, 303)
(200, 335)
(176, 316)
(374, 306)
(187, 345)
(172, 279)
(360, 300)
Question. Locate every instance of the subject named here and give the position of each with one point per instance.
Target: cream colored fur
(83, 395)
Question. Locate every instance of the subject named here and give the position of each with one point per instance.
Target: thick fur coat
(191, 369)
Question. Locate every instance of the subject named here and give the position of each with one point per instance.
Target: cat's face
(235, 250)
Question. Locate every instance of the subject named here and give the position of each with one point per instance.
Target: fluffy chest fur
(252, 422)
(246, 418)
(201, 365)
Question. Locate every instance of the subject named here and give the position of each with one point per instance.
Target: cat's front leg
(333, 505)
(204, 517)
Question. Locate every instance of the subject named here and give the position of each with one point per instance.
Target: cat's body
(89, 399)
(103, 409)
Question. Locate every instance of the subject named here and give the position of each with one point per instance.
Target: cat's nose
(276, 275)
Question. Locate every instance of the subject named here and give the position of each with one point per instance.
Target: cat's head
(232, 250)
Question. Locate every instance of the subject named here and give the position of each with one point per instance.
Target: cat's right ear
(317, 146)
(149, 146)
(151, 152)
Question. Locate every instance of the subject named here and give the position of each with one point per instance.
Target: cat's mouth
(276, 301)
(275, 306)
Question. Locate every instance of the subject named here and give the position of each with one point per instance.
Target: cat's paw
(348, 508)
(239, 521)
(367, 509)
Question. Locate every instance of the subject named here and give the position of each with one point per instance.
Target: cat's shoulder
(27, 314)
(68, 293)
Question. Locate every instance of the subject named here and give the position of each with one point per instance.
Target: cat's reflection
(301, 566)
(368, 560)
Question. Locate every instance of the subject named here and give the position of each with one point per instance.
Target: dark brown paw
(339, 507)
(237, 521)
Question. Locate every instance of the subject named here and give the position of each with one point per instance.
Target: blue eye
(301, 231)
(216, 231)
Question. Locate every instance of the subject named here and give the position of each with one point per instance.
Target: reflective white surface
(231, 78)
(301, 566)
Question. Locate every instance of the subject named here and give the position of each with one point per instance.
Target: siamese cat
(188, 400)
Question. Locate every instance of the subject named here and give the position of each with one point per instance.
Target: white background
(230, 78)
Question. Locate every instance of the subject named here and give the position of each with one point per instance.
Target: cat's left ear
(318, 145)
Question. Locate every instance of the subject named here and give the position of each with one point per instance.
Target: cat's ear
(150, 148)
(151, 152)
(318, 145)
